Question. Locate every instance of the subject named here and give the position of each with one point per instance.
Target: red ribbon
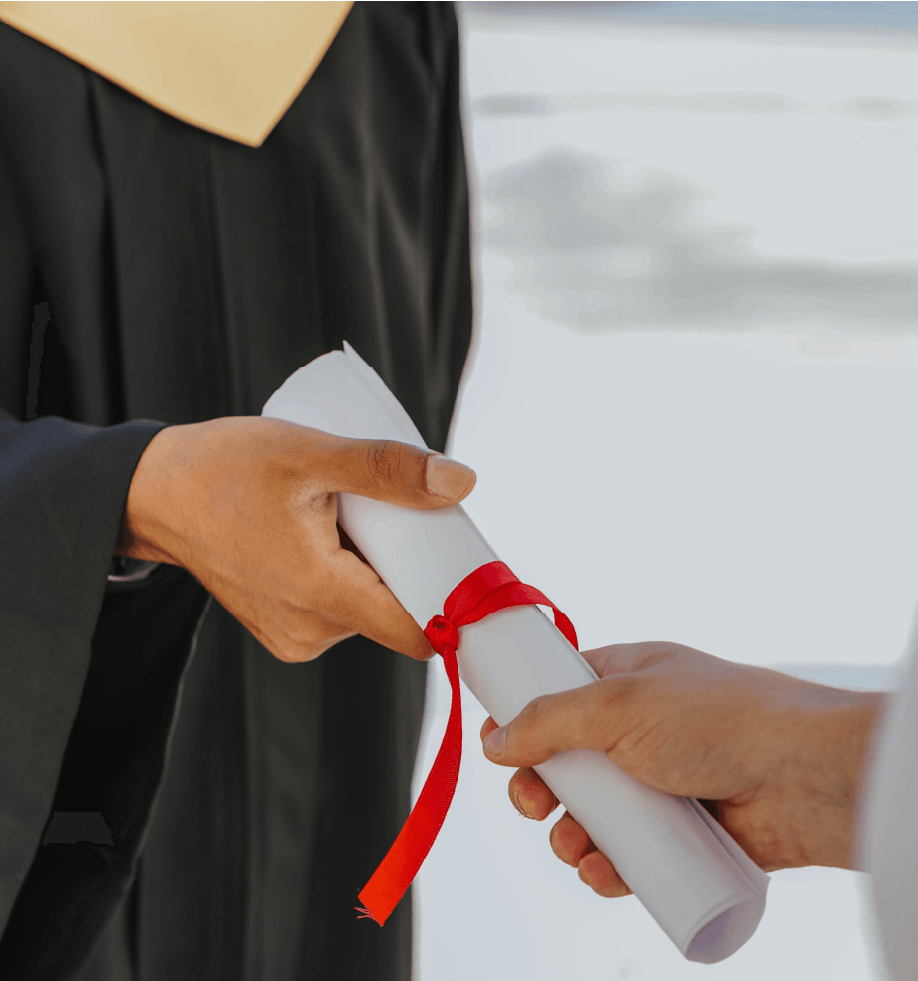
(489, 588)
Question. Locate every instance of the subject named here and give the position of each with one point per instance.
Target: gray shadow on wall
(597, 247)
(865, 108)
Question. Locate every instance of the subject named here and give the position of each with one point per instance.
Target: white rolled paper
(696, 882)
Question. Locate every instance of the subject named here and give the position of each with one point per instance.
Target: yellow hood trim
(230, 68)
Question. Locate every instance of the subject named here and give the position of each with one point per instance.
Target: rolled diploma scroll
(696, 882)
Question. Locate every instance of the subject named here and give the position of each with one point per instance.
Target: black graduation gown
(186, 276)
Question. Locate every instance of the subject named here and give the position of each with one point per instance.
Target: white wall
(692, 411)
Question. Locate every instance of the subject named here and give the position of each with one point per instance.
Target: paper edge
(372, 380)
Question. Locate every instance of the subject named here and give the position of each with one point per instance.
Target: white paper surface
(696, 882)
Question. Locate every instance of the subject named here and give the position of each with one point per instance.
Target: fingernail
(448, 479)
(494, 741)
(520, 806)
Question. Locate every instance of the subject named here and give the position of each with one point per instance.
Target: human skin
(248, 505)
(777, 760)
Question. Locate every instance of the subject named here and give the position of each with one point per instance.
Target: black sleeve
(89, 681)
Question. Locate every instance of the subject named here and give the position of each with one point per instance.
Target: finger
(591, 717)
(569, 841)
(488, 726)
(356, 597)
(527, 790)
(625, 658)
(387, 470)
(573, 846)
(600, 875)
(530, 796)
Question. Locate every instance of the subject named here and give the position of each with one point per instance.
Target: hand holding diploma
(777, 759)
(249, 507)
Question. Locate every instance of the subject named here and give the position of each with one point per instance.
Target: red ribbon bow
(489, 588)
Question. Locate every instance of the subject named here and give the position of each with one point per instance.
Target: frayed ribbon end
(366, 915)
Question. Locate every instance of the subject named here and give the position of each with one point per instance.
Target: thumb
(583, 718)
(398, 473)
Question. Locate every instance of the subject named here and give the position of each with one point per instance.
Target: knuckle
(305, 637)
(283, 653)
(309, 652)
(534, 731)
(613, 693)
(299, 634)
(299, 650)
(290, 652)
(385, 460)
(535, 713)
(334, 606)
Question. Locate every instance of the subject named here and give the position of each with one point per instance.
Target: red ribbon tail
(366, 915)
(397, 870)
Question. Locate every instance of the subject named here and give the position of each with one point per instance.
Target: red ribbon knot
(489, 588)
(442, 633)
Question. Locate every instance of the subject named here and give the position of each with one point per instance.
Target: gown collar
(229, 68)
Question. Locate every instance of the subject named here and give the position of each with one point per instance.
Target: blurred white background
(692, 408)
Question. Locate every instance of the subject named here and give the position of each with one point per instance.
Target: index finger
(359, 599)
(582, 718)
(626, 658)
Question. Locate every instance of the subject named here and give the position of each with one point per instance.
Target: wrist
(822, 768)
(149, 529)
